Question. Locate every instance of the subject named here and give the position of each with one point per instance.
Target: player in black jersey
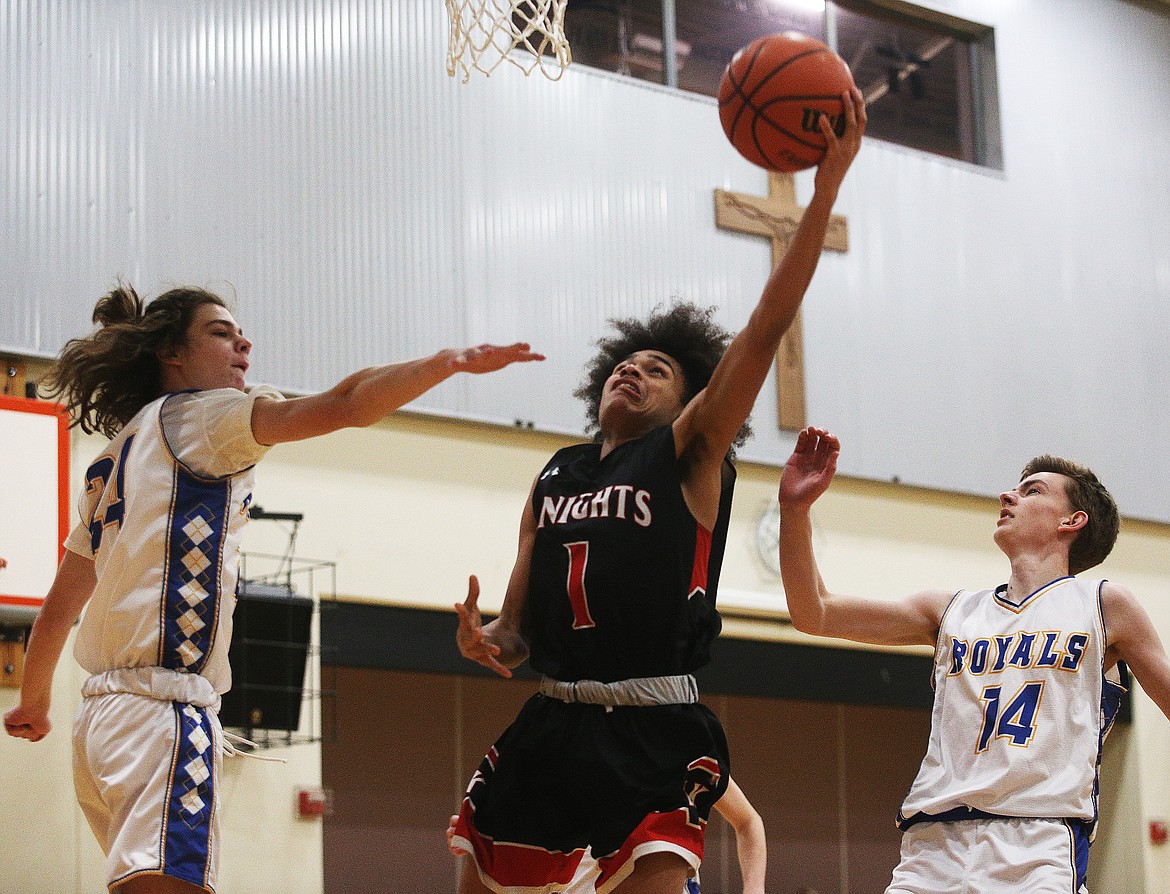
(613, 595)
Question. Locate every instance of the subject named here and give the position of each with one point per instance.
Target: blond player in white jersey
(154, 561)
(1025, 679)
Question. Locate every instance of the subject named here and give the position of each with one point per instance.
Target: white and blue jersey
(163, 510)
(1022, 706)
(162, 514)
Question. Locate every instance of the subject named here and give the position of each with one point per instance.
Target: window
(928, 78)
(626, 36)
(623, 36)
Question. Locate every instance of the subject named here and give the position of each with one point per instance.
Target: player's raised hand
(810, 468)
(489, 358)
(840, 151)
(470, 636)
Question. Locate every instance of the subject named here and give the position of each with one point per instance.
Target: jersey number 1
(578, 559)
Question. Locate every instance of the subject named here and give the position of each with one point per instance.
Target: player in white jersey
(751, 847)
(154, 561)
(1025, 679)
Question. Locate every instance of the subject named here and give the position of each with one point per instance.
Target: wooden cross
(776, 217)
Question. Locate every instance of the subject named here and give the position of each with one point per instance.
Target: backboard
(34, 495)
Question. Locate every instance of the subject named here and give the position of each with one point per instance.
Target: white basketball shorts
(146, 767)
(993, 856)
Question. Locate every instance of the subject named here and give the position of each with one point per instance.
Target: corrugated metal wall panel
(312, 158)
(581, 224)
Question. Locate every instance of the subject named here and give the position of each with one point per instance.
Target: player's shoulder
(571, 452)
(936, 598)
(940, 610)
(934, 603)
(561, 460)
(177, 401)
(214, 401)
(1111, 591)
(1122, 613)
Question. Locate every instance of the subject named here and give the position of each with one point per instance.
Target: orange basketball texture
(772, 95)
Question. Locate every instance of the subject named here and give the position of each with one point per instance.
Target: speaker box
(268, 656)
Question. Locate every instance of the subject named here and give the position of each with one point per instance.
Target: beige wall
(409, 508)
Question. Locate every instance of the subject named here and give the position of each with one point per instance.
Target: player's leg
(649, 816)
(153, 766)
(85, 786)
(658, 873)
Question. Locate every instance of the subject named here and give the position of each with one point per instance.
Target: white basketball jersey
(1021, 706)
(162, 514)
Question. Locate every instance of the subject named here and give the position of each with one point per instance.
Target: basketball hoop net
(527, 33)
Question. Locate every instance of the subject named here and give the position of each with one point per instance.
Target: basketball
(772, 96)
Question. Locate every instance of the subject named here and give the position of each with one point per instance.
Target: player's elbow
(808, 620)
(348, 406)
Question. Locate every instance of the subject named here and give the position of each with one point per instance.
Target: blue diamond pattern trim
(187, 846)
(196, 530)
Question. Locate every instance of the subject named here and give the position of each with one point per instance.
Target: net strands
(485, 33)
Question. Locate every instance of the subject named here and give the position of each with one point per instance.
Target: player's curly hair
(1086, 494)
(105, 378)
(685, 331)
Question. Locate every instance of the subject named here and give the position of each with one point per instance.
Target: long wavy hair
(105, 378)
(685, 331)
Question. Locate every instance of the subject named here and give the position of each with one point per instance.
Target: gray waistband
(639, 692)
(154, 682)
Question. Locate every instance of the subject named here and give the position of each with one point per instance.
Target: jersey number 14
(1015, 720)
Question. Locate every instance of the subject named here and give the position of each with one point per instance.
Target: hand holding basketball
(840, 151)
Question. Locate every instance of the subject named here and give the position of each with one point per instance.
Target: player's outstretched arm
(499, 645)
(67, 596)
(711, 421)
(910, 621)
(1134, 640)
(368, 395)
(751, 842)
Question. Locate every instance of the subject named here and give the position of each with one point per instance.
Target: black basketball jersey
(623, 579)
